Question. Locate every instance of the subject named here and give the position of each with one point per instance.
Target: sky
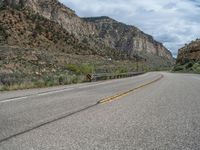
(172, 22)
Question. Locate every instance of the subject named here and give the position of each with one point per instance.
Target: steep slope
(55, 11)
(190, 52)
(188, 59)
(35, 51)
(32, 46)
(127, 38)
(100, 32)
(27, 30)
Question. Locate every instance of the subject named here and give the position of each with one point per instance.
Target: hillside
(40, 38)
(188, 59)
(33, 47)
(99, 32)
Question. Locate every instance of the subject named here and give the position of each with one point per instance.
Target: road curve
(162, 115)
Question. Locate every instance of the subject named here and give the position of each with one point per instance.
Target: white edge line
(14, 99)
(41, 94)
(53, 92)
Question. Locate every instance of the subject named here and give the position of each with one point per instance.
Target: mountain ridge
(104, 20)
(82, 28)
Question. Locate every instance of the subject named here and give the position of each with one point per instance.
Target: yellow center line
(120, 95)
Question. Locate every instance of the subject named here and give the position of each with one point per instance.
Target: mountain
(40, 37)
(188, 59)
(96, 31)
(128, 38)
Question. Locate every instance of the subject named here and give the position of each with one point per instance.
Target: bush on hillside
(80, 69)
(3, 32)
(196, 67)
(179, 68)
(189, 65)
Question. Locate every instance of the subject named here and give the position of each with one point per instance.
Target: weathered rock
(54, 10)
(127, 38)
(190, 52)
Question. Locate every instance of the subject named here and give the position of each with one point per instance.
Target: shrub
(3, 32)
(2, 88)
(178, 68)
(40, 83)
(196, 67)
(11, 79)
(86, 68)
(80, 69)
(74, 68)
(2, 7)
(121, 70)
(189, 65)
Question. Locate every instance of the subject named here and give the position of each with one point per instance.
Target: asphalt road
(161, 115)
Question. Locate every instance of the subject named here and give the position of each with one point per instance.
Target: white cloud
(173, 22)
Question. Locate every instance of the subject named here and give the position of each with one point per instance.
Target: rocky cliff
(127, 38)
(188, 59)
(190, 52)
(55, 11)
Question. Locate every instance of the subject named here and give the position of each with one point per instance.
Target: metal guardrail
(106, 76)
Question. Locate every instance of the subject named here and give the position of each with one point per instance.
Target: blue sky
(172, 22)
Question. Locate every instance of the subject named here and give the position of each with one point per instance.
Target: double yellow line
(117, 96)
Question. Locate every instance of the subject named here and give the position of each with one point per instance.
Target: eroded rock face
(190, 52)
(54, 10)
(127, 38)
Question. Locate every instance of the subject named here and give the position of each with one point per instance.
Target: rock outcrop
(190, 52)
(188, 59)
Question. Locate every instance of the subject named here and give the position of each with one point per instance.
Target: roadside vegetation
(22, 68)
(72, 74)
(189, 67)
(15, 83)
